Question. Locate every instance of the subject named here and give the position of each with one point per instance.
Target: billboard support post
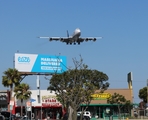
(38, 88)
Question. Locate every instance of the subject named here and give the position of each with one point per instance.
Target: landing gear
(72, 43)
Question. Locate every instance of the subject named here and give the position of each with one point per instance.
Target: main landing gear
(73, 43)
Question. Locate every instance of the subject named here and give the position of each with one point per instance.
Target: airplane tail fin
(67, 34)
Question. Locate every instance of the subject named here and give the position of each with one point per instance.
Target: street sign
(28, 103)
(11, 102)
(29, 108)
(11, 107)
(32, 100)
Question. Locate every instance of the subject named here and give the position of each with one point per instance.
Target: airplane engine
(86, 39)
(50, 39)
(61, 39)
(94, 39)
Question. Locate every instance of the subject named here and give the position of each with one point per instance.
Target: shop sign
(50, 101)
(101, 96)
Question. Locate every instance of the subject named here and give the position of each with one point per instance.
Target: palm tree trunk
(11, 89)
(21, 107)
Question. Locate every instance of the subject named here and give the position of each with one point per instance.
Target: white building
(43, 101)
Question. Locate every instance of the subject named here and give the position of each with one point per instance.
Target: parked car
(86, 113)
(24, 118)
(2, 117)
(83, 117)
(7, 115)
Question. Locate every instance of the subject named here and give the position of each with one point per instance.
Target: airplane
(73, 39)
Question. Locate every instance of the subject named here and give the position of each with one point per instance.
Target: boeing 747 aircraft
(75, 38)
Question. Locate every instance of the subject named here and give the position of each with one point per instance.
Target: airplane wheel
(70, 43)
(67, 43)
(78, 43)
(74, 43)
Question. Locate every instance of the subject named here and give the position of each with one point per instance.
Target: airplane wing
(69, 40)
(81, 39)
(62, 39)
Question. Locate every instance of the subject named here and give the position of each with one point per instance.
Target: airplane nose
(77, 30)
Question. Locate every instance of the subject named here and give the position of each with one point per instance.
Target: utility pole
(147, 94)
(147, 100)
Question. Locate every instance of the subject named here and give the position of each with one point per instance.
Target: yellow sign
(101, 96)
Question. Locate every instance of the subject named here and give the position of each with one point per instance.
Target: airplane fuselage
(75, 36)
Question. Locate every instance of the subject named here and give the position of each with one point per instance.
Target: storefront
(46, 104)
(99, 106)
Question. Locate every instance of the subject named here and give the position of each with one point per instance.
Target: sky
(122, 24)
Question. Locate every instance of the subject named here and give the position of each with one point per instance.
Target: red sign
(51, 104)
(50, 101)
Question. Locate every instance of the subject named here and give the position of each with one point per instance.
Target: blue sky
(122, 24)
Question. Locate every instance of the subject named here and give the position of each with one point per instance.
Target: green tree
(120, 101)
(75, 86)
(128, 106)
(143, 94)
(22, 92)
(10, 78)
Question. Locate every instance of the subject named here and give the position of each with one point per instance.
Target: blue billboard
(40, 63)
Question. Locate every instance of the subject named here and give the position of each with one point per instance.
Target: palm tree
(22, 93)
(10, 78)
